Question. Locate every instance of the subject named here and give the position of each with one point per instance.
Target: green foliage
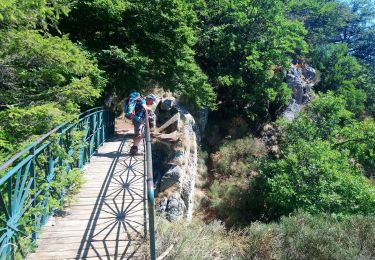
(142, 44)
(339, 37)
(334, 21)
(301, 236)
(339, 68)
(245, 47)
(40, 69)
(359, 138)
(305, 236)
(32, 13)
(355, 100)
(322, 18)
(316, 178)
(19, 126)
(321, 119)
(328, 119)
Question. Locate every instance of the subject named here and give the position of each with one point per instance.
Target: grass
(302, 236)
(196, 240)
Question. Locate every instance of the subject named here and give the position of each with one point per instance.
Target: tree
(34, 14)
(141, 44)
(245, 47)
(38, 69)
(333, 21)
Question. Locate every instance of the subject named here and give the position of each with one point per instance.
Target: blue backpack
(130, 102)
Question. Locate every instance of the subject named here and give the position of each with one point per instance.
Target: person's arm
(146, 107)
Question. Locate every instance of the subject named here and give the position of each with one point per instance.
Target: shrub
(19, 126)
(305, 236)
(238, 157)
(316, 178)
(230, 200)
(196, 240)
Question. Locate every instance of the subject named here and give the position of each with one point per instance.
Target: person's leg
(138, 132)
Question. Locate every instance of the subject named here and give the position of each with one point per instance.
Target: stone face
(309, 72)
(300, 78)
(167, 104)
(161, 207)
(181, 160)
(202, 119)
(175, 207)
(294, 80)
(171, 177)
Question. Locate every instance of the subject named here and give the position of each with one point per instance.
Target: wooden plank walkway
(108, 219)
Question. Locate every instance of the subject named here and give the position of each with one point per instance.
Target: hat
(152, 97)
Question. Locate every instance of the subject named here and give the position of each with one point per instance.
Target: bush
(316, 178)
(19, 126)
(305, 236)
(196, 240)
(230, 200)
(38, 69)
(301, 236)
(238, 157)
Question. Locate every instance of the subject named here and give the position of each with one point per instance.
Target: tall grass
(302, 236)
(196, 240)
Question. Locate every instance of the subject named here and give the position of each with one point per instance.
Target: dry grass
(196, 240)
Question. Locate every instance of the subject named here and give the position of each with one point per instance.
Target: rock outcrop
(175, 150)
(301, 78)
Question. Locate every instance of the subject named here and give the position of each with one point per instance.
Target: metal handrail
(28, 183)
(150, 190)
(81, 117)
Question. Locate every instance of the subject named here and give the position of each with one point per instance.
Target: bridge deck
(108, 218)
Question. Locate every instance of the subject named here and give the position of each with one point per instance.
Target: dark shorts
(138, 128)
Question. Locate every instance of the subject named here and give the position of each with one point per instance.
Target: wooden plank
(173, 119)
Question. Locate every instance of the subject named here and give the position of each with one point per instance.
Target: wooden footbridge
(111, 217)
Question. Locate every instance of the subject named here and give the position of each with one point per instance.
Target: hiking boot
(133, 150)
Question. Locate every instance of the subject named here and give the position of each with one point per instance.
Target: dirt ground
(123, 126)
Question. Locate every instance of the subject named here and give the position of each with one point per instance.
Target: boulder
(175, 208)
(171, 177)
(309, 72)
(167, 104)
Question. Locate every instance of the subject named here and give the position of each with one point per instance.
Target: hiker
(138, 115)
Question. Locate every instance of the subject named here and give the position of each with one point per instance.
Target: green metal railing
(150, 190)
(26, 185)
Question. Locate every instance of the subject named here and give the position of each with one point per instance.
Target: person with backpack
(135, 109)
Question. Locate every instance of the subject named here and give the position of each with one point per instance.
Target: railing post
(91, 135)
(49, 175)
(150, 190)
(101, 128)
(105, 125)
(97, 129)
(81, 159)
(33, 188)
(60, 162)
